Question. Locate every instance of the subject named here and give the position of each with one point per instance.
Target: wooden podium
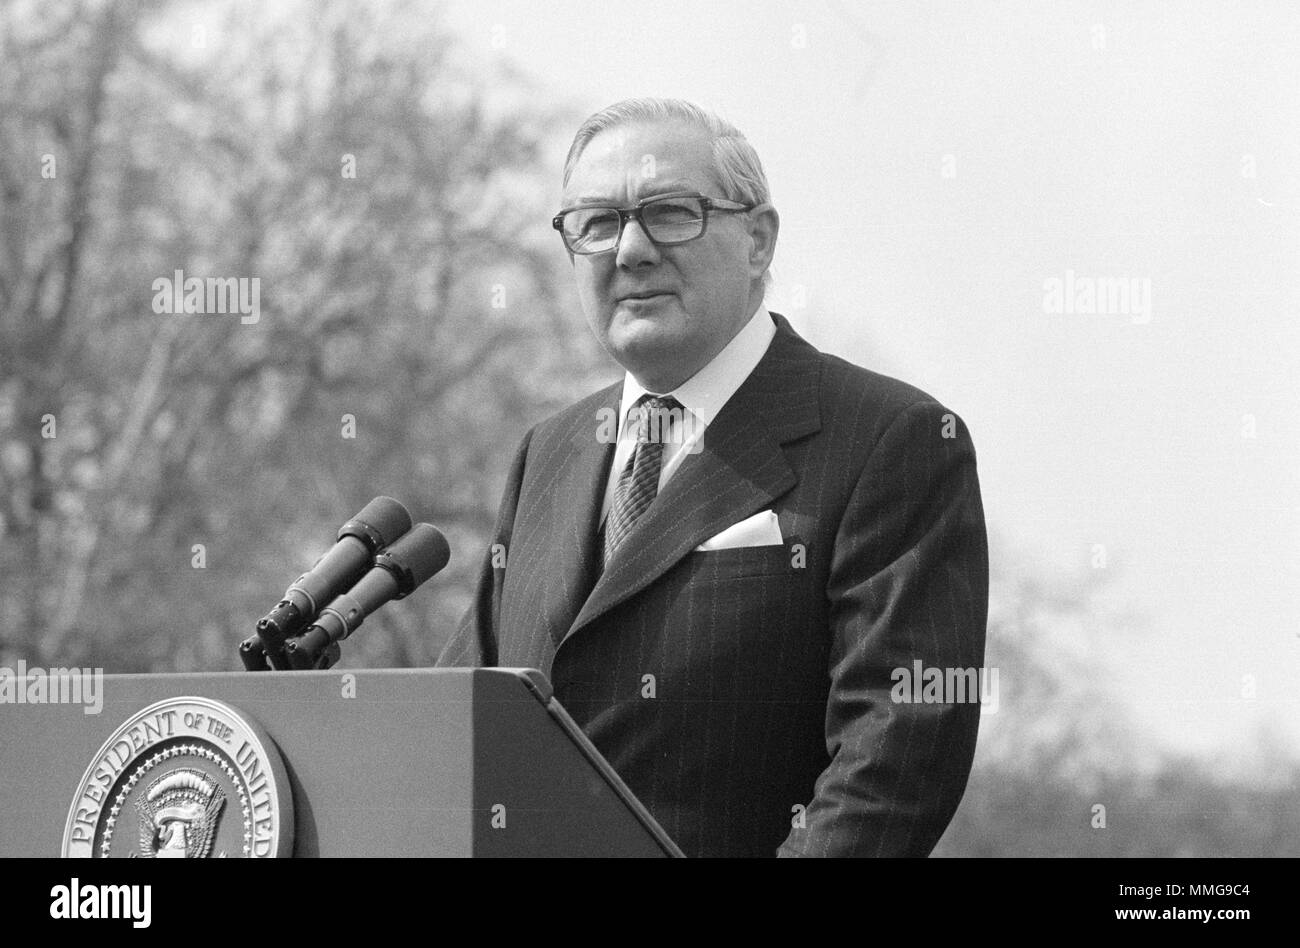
(420, 762)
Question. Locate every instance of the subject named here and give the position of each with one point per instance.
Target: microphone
(398, 570)
(376, 525)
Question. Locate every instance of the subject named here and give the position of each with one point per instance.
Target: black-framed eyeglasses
(666, 219)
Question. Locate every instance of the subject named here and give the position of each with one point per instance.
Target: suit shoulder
(844, 388)
(875, 415)
(841, 374)
(862, 397)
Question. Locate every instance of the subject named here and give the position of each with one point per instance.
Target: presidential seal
(185, 778)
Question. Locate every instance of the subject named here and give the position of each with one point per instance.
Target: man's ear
(764, 226)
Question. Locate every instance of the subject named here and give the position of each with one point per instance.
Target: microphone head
(415, 557)
(378, 523)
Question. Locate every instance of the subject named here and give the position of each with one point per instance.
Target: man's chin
(643, 340)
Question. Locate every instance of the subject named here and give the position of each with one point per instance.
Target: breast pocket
(742, 563)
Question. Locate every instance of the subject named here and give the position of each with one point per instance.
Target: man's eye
(672, 212)
(596, 225)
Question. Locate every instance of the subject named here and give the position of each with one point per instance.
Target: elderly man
(728, 562)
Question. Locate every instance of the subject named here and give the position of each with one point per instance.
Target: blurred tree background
(1063, 766)
(164, 477)
(422, 297)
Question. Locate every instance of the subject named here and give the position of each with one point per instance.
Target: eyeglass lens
(672, 220)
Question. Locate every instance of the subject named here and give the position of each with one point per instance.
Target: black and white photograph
(615, 429)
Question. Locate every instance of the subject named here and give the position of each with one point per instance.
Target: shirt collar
(705, 392)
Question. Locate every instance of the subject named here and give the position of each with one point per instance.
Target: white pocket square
(761, 529)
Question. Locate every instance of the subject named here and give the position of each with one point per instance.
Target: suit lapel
(740, 471)
(582, 472)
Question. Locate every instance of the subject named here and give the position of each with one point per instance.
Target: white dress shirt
(701, 396)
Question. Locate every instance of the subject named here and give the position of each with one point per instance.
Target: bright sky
(934, 165)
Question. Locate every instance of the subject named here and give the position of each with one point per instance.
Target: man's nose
(635, 248)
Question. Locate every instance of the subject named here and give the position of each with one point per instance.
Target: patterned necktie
(639, 482)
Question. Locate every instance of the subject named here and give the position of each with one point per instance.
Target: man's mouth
(642, 295)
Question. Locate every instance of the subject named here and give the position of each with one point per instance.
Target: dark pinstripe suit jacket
(745, 694)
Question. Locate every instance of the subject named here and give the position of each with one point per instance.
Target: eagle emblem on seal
(179, 814)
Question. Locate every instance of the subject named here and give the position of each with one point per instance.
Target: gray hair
(735, 163)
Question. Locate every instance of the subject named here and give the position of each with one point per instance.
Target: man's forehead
(641, 159)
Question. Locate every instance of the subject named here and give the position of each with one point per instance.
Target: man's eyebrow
(676, 187)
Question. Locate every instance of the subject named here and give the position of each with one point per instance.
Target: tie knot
(656, 417)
